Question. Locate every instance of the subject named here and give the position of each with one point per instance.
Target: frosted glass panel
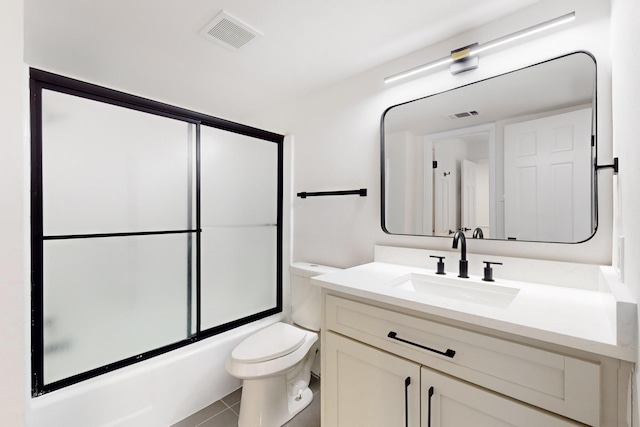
(239, 179)
(238, 272)
(111, 169)
(107, 299)
(239, 212)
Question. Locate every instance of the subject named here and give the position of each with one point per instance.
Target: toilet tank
(305, 297)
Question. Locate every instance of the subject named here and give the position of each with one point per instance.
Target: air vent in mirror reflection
(461, 115)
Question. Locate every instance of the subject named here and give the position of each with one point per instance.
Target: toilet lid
(269, 343)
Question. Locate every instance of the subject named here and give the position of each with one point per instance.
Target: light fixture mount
(463, 59)
(466, 58)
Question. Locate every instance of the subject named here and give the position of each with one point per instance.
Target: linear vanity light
(466, 58)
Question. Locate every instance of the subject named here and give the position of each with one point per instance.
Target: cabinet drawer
(558, 383)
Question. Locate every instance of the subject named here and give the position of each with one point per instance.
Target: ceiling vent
(463, 114)
(229, 31)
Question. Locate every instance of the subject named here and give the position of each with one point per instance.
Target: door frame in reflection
(438, 178)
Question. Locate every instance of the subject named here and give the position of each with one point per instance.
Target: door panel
(369, 387)
(547, 163)
(449, 402)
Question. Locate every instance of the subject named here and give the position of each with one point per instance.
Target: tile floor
(224, 412)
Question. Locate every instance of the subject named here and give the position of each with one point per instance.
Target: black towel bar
(361, 192)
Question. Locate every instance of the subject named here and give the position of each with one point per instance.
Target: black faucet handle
(478, 233)
(488, 271)
(440, 264)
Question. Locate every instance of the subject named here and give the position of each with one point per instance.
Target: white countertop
(576, 318)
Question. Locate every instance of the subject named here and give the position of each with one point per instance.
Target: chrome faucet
(464, 264)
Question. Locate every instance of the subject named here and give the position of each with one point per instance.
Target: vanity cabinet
(369, 387)
(388, 368)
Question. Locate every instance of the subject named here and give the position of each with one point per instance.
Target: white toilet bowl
(275, 364)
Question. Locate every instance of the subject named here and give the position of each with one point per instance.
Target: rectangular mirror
(510, 157)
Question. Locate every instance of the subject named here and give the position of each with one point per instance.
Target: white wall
(14, 277)
(337, 139)
(625, 38)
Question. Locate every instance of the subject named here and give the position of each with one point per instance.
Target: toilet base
(268, 403)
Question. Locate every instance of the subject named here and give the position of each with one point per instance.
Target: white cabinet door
(449, 402)
(364, 386)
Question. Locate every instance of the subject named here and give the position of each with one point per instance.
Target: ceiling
(152, 48)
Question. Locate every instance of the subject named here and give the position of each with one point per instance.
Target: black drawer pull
(448, 353)
(407, 382)
(429, 410)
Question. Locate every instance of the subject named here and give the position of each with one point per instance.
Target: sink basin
(458, 289)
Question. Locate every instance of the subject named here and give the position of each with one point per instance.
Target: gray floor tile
(233, 398)
(236, 408)
(224, 412)
(203, 415)
(309, 417)
(226, 418)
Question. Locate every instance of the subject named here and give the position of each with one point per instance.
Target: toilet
(275, 363)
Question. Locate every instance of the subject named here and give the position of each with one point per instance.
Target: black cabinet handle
(429, 411)
(407, 381)
(449, 353)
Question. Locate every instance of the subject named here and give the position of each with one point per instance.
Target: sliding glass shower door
(153, 227)
(239, 217)
(117, 229)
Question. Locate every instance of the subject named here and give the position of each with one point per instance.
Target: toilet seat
(270, 343)
(244, 369)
